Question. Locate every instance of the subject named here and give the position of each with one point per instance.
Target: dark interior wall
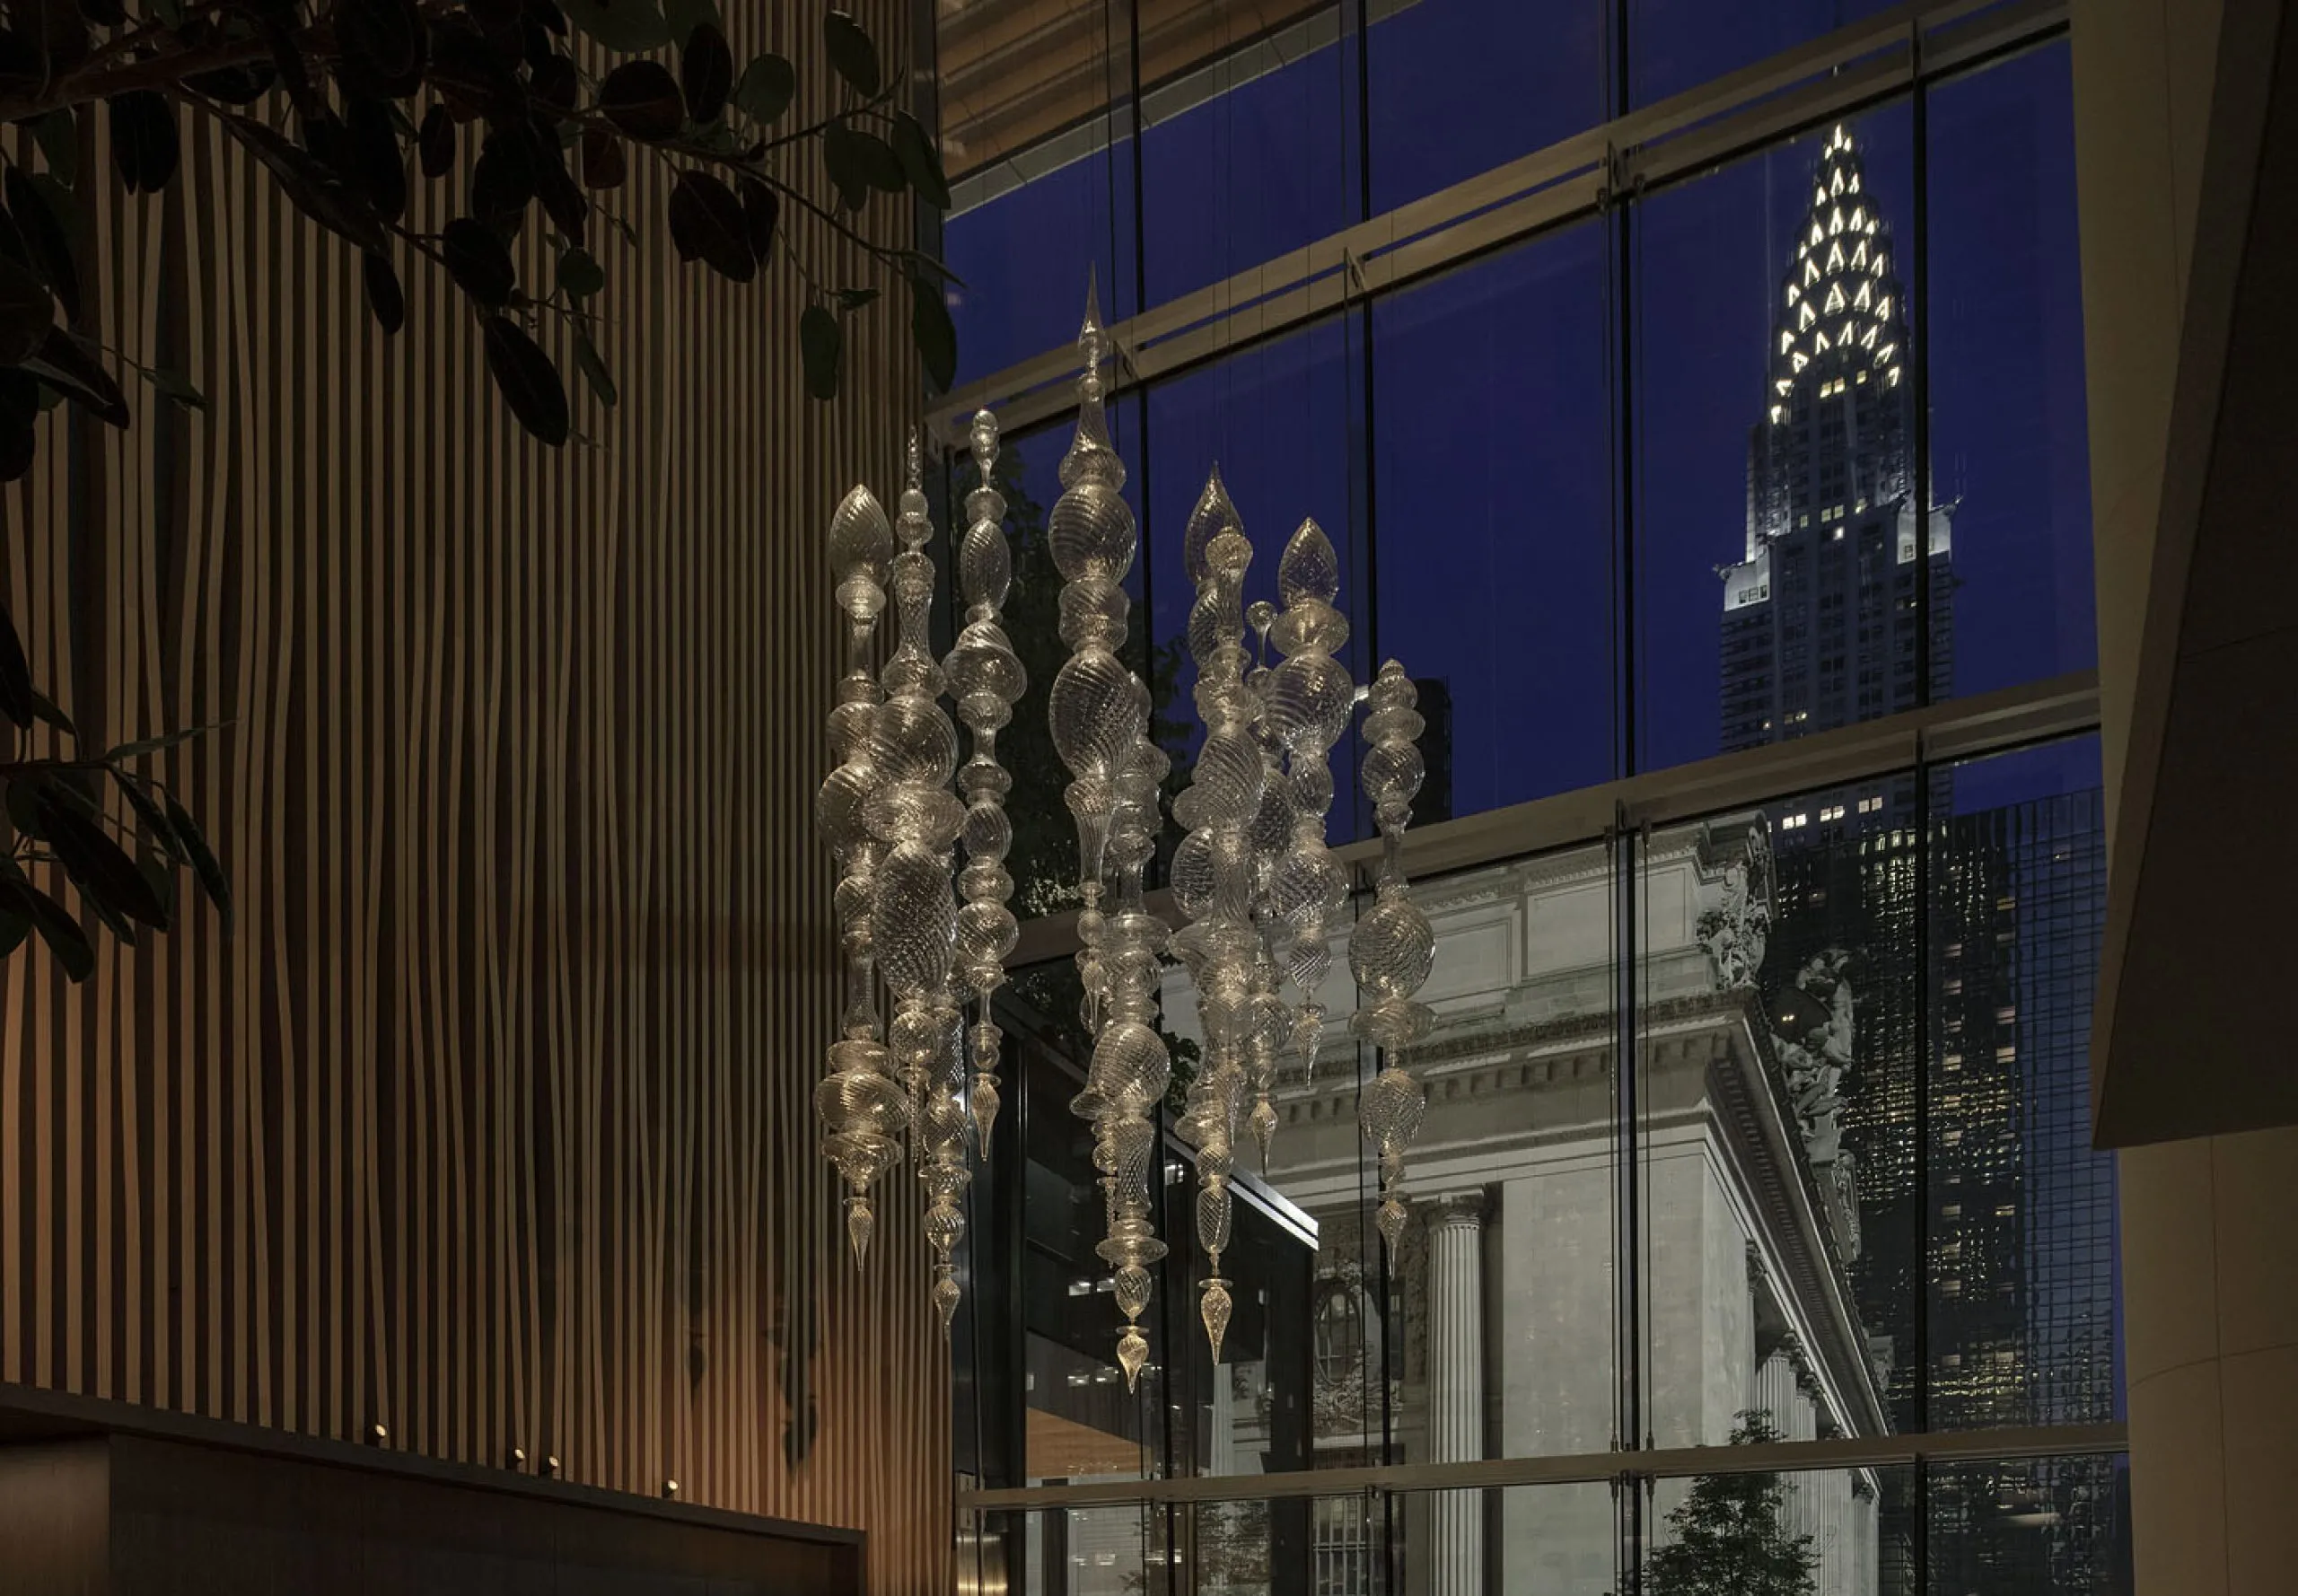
(489, 1120)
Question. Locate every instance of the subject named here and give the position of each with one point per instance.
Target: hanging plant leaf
(707, 72)
(436, 142)
(603, 162)
(627, 27)
(563, 200)
(57, 134)
(55, 924)
(175, 386)
(27, 312)
(936, 336)
(761, 208)
(44, 235)
(768, 85)
(850, 300)
(19, 447)
(881, 167)
(820, 344)
(580, 275)
(554, 82)
(851, 54)
(383, 47)
(593, 367)
(385, 300)
(843, 159)
(479, 261)
(64, 364)
(313, 188)
(15, 674)
(920, 160)
(45, 707)
(706, 224)
(684, 16)
(103, 870)
(529, 382)
(152, 816)
(642, 99)
(380, 163)
(212, 880)
(502, 180)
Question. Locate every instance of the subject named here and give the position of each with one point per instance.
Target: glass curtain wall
(1749, 1124)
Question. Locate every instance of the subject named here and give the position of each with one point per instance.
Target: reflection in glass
(1675, 45)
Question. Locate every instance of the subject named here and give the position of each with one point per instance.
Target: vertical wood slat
(492, 1121)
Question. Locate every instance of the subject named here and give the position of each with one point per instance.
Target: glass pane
(1493, 490)
(1777, 989)
(1121, 1550)
(1248, 140)
(1773, 449)
(1037, 138)
(2009, 431)
(2059, 1525)
(1490, 1332)
(1458, 86)
(1675, 45)
(1277, 419)
(2022, 1226)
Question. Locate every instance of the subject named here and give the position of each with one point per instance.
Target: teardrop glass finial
(1309, 568)
(1214, 514)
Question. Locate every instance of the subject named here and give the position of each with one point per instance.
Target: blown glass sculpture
(1099, 712)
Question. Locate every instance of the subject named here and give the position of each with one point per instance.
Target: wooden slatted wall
(490, 1121)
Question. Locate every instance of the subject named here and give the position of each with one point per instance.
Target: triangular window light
(1835, 297)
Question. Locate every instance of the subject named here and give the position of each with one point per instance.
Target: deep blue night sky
(1486, 513)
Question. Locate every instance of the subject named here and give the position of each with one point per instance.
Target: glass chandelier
(1252, 876)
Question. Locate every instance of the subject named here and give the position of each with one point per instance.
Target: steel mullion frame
(1681, 1462)
(1566, 182)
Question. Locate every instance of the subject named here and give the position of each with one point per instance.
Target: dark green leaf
(27, 311)
(478, 261)
(383, 47)
(937, 337)
(16, 690)
(684, 16)
(603, 164)
(311, 185)
(880, 165)
(19, 445)
(855, 298)
(58, 135)
(163, 742)
(848, 166)
(529, 382)
(103, 870)
(627, 27)
(821, 344)
(55, 924)
(174, 385)
(593, 367)
(705, 72)
(143, 140)
(377, 160)
(761, 207)
(706, 224)
(642, 99)
(153, 818)
(64, 365)
(580, 275)
(14, 926)
(26, 813)
(768, 85)
(46, 708)
(437, 142)
(30, 204)
(386, 301)
(203, 860)
(851, 54)
(562, 196)
(555, 82)
(920, 160)
(503, 179)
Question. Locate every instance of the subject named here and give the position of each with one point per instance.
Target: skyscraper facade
(1969, 939)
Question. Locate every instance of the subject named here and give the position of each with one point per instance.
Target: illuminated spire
(1835, 311)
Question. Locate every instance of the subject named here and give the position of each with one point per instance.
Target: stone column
(1456, 1390)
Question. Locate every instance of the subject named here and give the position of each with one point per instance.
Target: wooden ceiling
(1014, 72)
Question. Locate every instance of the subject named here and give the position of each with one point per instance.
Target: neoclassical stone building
(1515, 1318)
